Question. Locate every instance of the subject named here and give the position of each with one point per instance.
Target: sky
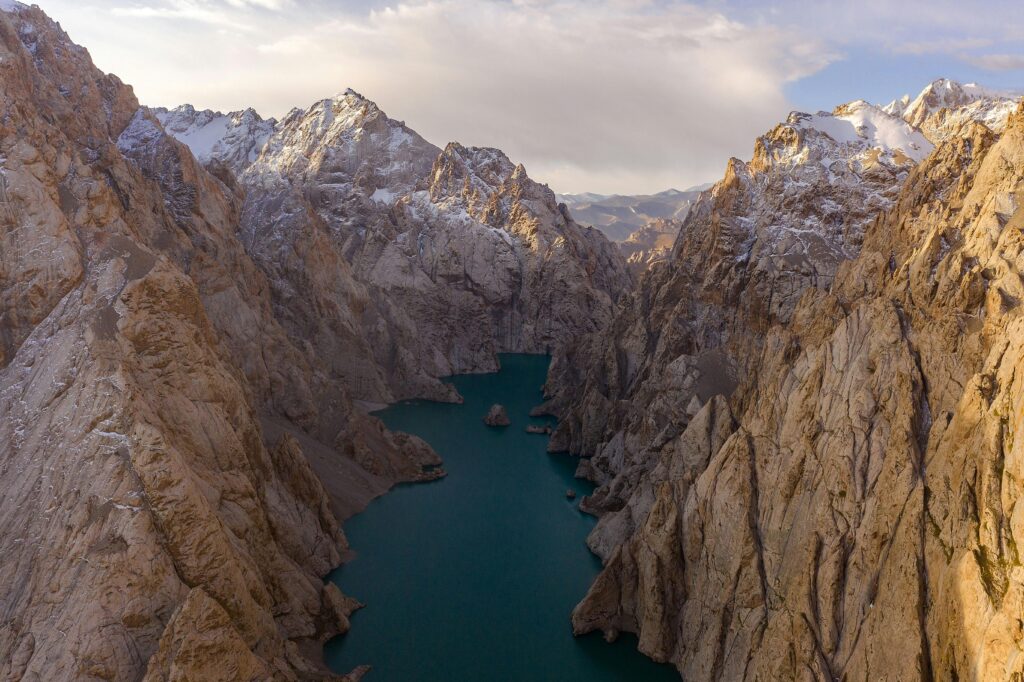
(608, 96)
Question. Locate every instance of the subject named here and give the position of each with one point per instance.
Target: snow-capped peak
(897, 106)
(962, 102)
(234, 139)
(864, 125)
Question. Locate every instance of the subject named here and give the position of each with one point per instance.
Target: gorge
(784, 415)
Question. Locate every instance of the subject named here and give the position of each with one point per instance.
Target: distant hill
(619, 215)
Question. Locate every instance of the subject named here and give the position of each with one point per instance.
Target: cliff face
(151, 525)
(447, 257)
(191, 306)
(651, 244)
(848, 510)
(750, 246)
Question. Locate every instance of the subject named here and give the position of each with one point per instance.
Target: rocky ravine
(182, 346)
(849, 510)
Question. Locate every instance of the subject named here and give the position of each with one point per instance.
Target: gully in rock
(257, 373)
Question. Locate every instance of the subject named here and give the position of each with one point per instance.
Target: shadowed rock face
(150, 527)
(446, 257)
(651, 244)
(849, 511)
(181, 346)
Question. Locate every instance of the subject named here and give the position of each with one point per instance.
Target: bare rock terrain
(843, 507)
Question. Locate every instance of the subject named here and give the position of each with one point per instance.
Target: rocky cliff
(651, 244)
(448, 256)
(160, 518)
(192, 307)
(809, 470)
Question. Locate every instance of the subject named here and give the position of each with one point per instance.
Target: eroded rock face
(151, 525)
(430, 261)
(849, 512)
(651, 244)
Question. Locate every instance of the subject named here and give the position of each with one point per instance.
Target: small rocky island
(497, 416)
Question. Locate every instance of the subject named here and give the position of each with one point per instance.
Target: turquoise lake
(473, 577)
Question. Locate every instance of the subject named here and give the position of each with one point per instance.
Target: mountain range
(797, 389)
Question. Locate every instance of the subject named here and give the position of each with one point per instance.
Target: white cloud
(202, 12)
(605, 95)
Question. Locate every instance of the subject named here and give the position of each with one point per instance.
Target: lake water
(473, 577)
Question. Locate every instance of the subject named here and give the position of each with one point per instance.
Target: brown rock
(497, 416)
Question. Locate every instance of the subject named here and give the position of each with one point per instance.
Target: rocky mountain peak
(944, 105)
(234, 139)
(485, 180)
(348, 142)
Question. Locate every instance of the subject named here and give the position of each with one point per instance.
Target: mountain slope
(455, 254)
(184, 343)
(842, 508)
(158, 519)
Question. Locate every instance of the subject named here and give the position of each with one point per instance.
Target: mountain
(651, 244)
(193, 308)
(944, 106)
(618, 216)
(460, 253)
(801, 418)
(801, 422)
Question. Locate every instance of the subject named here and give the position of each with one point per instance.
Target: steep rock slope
(448, 256)
(849, 512)
(150, 526)
(651, 244)
(750, 246)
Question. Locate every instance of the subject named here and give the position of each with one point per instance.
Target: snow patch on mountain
(861, 124)
(945, 105)
(234, 139)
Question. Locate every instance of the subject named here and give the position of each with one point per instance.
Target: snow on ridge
(11, 5)
(200, 136)
(861, 123)
(235, 138)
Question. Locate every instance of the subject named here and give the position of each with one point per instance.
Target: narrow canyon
(789, 399)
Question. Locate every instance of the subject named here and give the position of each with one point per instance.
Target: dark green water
(473, 577)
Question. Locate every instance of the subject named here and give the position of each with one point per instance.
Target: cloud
(996, 62)
(605, 96)
(203, 12)
(598, 95)
(293, 44)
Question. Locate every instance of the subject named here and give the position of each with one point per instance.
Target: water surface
(473, 577)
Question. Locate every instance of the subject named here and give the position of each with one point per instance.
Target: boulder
(497, 416)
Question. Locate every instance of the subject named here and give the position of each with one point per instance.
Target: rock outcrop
(153, 524)
(847, 510)
(497, 416)
(651, 244)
